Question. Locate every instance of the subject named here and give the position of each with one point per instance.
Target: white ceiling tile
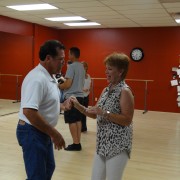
(158, 24)
(123, 25)
(174, 10)
(16, 16)
(154, 21)
(2, 9)
(148, 11)
(112, 13)
(152, 18)
(115, 21)
(87, 9)
(61, 14)
(171, 5)
(117, 16)
(137, 7)
(99, 13)
(79, 4)
(154, 15)
(127, 2)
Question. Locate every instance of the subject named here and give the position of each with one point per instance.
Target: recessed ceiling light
(30, 7)
(83, 24)
(177, 20)
(70, 18)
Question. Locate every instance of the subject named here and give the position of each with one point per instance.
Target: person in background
(86, 91)
(68, 63)
(60, 79)
(75, 76)
(114, 112)
(39, 113)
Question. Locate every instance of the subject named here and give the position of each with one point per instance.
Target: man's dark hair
(50, 48)
(75, 51)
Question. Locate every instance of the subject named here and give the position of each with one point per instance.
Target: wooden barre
(17, 83)
(137, 80)
(144, 80)
(10, 75)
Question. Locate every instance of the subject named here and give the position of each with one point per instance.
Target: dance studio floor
(155, 153)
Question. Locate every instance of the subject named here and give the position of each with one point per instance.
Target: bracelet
(84, 110)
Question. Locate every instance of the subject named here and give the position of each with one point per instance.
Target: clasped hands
(90, 110)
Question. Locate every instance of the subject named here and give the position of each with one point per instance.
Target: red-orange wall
(15, 26)
(16, 58)
(19, 46)
(42, 34)
(160, 45)
(161, 48)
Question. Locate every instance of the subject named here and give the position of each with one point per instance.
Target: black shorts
(73, 115)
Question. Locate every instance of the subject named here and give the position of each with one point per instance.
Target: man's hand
(58, 141)
(67, 104)
(74, 101)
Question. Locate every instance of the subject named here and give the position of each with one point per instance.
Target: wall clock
(137, 54)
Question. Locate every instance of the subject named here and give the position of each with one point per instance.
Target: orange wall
(42, 34)
(15, 26)
(160, 45)
(16, 58)
(20, 42)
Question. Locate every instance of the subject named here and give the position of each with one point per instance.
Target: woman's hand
(74, 101)
(95, 110)
(67, 104)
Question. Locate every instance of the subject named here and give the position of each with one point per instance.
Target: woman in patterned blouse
(114, 113)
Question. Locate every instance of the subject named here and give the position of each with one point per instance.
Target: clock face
(137, 54)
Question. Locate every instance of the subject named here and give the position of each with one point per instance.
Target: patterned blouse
(112, 138)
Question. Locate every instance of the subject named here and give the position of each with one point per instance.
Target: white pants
(112, 168)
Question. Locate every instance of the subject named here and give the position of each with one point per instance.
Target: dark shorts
(73, 115)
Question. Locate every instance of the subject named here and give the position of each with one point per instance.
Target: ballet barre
(139, 80)
(92, 87)
(17, 84)
(145, 91)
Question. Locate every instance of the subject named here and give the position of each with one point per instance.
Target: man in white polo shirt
(39, 113)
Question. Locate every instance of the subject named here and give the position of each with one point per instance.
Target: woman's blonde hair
(85, 64)
(119, 60)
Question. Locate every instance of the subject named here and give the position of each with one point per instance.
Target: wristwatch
(106, 114)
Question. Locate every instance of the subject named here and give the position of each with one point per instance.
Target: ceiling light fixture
(83, 24)
(177, 20)
(31, 7)
(176, 17)
(70, 18)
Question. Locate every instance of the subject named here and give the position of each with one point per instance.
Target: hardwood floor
(155, 154)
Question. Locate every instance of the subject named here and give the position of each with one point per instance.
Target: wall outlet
(96, 98)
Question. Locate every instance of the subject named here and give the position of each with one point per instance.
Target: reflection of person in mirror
(114, 113)
(86, 91)
(39, 113)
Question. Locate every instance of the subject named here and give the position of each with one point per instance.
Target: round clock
(137, 54)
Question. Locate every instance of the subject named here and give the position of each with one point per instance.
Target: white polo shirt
(40, 91)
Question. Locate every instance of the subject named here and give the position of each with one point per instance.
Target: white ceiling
(109, 13)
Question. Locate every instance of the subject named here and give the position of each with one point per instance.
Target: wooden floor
(155, 154)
